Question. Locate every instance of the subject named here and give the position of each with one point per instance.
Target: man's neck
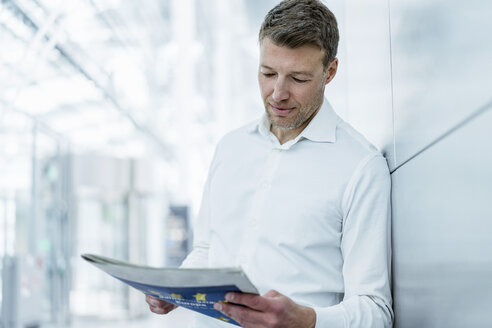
(284, 135)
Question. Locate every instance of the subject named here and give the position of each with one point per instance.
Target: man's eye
(268, 74)
(299, 80)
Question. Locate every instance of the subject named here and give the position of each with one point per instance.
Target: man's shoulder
(353, 141)
(239, 135)
(357, 152)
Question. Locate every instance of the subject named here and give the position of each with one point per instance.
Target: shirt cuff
(330, 317)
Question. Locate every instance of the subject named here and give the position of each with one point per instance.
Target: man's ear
(331, 71)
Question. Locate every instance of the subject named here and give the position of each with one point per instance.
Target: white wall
(422, 69)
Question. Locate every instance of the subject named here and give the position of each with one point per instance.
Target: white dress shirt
(309, 218)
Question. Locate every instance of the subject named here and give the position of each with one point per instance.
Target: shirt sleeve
(366, 251)
(198, 257)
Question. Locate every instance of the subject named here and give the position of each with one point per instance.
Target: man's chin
(282, 126)
(280, 123)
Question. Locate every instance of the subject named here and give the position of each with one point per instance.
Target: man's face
(292, 84)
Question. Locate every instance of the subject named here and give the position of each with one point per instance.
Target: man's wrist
(310, 316)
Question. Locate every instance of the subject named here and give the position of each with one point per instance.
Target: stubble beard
(292, 125)
(304, 114)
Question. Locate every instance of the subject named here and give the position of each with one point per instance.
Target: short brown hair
(294, 23)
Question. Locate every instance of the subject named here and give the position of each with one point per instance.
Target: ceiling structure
(155, 80)
(110, 76)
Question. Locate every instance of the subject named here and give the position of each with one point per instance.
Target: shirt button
(265, 185)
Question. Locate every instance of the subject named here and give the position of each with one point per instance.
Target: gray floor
(178, 318)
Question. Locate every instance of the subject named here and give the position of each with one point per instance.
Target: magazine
(194, 289)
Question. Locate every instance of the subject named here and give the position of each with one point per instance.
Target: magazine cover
(194, 289)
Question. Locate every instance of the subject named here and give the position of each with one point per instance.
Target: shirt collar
(322, 127)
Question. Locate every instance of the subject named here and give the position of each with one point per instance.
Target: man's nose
(280, 91)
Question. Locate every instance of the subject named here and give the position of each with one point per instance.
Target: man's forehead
(267, 41)
(301, 59)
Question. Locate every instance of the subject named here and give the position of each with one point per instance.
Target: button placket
(251, 226)
(270, 168)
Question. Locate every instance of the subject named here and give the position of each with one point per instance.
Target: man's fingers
(159, 306)
(154, 301)
(162, 309)
(252, 301)
(240, 314)
(272, 293)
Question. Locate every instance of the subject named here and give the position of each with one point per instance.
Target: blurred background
(110, 111)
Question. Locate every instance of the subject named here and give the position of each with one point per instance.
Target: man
(299, 199)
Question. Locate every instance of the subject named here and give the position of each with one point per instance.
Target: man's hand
(159, 306)
(272, 310)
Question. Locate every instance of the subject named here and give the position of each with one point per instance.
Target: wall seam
(391, 84)
(480, 111)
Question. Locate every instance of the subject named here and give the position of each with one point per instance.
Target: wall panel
(441, 53)
(442, 228)
(368, 74)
